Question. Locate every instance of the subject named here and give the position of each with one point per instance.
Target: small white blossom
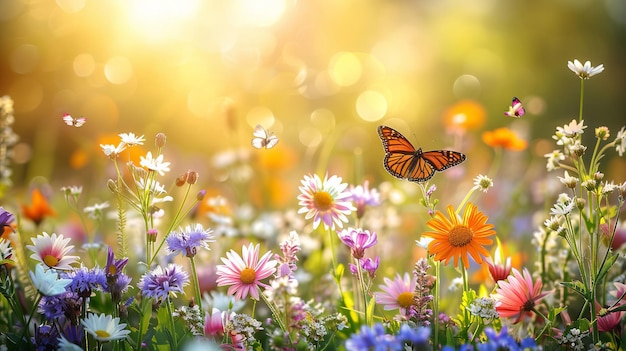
(572, 128)
(620, 141)
(130, 139)
(111, 150)
(554, 159)
(155, 164)
(47, 282)
(95, 211)
(584, 71)
(562, 208)
(483, 183)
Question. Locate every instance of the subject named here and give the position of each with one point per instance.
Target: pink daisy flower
(517, 296)
(52, 251)
(325, 201)
(398, 293)
(244, 273)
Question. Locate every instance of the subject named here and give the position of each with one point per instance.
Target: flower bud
(160, 140)
(152, 235)
(580, 203)
(598, 176)
(201, 194)
(602, 133)
(589, 184)
(112, 185)
(182, 179)
(192, 177)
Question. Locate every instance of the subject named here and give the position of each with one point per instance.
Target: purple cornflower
(161, 282)
(362, 196)
(358, 240)
(416, 337)
(116, 281)
(287, 262)
(189, 239)
(46, 338)
(85, 280)
(57, 306)
(6, 218)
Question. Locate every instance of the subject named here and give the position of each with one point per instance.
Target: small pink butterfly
(263, 138)
(71, 121)
(516, 110)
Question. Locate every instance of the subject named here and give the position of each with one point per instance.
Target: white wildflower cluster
(244, 327)
(485, 308)
(193, 318)
(573, 340)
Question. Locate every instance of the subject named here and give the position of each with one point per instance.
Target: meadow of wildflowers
(156, 266)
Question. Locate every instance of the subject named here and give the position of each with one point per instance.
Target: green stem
(582, 93)
(436, 303)
(196, 283)
(168, 305)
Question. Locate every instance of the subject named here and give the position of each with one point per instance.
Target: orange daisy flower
(457, 237)
(504, 138)
(39, 208)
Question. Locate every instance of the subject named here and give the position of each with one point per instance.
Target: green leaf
(578, 287)
(370, 311)
(608, 263)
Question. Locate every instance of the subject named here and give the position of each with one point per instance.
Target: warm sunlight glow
(261, 13)
(159, 19)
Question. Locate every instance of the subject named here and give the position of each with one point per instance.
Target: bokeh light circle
(371, 106)
(118, 70)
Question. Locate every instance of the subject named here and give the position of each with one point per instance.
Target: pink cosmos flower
(498, 270)
(326, 201)
(244, 273)
(214, 323)
(52, 251)
(398, 293)
(517, 296)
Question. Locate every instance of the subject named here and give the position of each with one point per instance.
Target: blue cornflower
(417, 337)
(161, 282)
(52, 307)
(85, 280)
(504, 341)
(6, 218)
(189, 239)
(373, 338)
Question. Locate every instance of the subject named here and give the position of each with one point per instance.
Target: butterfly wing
(69, 120)
(516, 110)
(271, 141)
(78, 122)
(401, 158)
(443, 159)
(259, 140)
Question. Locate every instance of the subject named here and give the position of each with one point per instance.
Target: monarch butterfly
(263, 138)
(516, 110)
(404, 162)
(70, 121)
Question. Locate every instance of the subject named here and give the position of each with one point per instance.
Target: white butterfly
(263, 138)
(71, 121)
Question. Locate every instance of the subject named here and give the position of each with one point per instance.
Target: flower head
(325, 201)
(244, 273)
(52, 250)
(362, 196)
(6, 218)
(516, 297)
(504, 138)
(498, 270)
(39, 208)
(130, 139)
(483, 183)
(161, 282)
(112, 151)
(398, 293)
(358, 240)
(155, 164)
(6, 251)
(620, 142)
(105, 328)
(189, 239)
(96, 211)
(47, 282)
(569, 130)
(584, 71)
(457, 237)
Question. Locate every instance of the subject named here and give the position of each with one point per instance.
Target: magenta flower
(517, 296)
(244, 273)
(358, 240)
(398, 293)
(326, 201)
(498, 270)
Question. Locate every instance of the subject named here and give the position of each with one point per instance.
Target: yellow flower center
(112, 270)
(322, 200)
(405, 299)
(50, 261)
(460, 235)
(102, 333)
(247, 276)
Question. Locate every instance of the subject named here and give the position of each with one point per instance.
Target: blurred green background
(321, 75)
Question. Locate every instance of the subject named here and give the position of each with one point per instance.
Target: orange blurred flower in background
(504, 138)
(463, 116)
(39, 208)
